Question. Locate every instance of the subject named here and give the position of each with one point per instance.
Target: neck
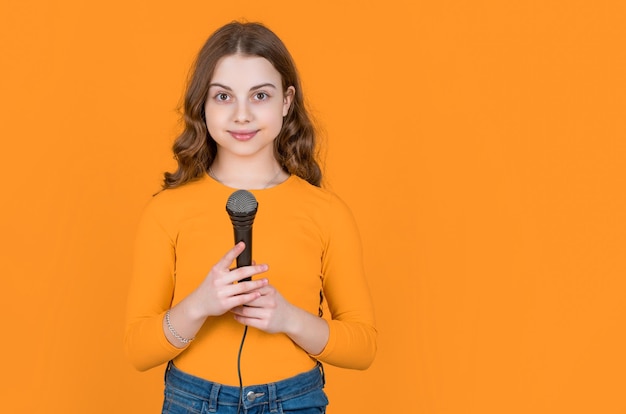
(248, 175)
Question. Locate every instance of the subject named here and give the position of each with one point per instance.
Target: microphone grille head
(242, 202)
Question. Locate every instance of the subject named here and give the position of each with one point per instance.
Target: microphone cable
(243, 339)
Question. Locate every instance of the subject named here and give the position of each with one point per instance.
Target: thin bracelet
(173, 331)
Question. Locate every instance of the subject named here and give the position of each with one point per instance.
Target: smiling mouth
(242, 135)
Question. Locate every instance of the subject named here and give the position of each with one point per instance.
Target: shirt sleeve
(150, 294)
(352, 340)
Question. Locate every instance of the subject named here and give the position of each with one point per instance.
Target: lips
(242, 135)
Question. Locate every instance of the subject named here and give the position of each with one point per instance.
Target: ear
(288, 98)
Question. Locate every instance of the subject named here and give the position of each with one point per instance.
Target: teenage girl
(246, 127)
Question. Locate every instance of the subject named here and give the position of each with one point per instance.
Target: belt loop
(271, 390)
(321, 367)
(215, 389)
(167, 369)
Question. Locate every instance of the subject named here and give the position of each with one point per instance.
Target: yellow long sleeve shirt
(308, 237)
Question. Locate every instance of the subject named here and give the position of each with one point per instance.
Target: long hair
(195, 149)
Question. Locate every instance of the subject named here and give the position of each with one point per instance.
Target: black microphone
(241, 207)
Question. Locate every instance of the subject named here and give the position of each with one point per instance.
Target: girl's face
(246, 105)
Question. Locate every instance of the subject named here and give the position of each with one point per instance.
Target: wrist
(174, 332)
(308, 331)
(193, 308)
(294, 323)
(180, 325)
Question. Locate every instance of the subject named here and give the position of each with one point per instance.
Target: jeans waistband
(252, 395)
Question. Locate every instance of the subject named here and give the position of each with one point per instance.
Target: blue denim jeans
(302, 394)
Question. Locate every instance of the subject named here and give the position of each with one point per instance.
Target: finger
(251, 321)
(236, 275)
(266, 289)
(238, 310)
(264, 300)
(246, 287)
(239, 300)
(246, 312)
(230, 256)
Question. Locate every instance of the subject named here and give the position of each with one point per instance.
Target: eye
(221, 97)
(260, 96)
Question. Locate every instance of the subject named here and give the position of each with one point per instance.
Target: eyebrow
(263, 85)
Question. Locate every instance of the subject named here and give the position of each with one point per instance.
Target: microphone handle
(244, 233)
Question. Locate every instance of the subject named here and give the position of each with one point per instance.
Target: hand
(270, 312)
(218, 293)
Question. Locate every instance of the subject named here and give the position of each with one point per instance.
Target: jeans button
(251, 396)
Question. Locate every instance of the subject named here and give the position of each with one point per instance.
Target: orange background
(479, 143)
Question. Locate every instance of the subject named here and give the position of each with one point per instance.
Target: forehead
(240, 71)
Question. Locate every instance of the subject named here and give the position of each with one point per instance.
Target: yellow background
(479, 143)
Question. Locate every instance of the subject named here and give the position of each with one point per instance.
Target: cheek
(275, 114)
(275, 121)
(213, 126)
(214, 115)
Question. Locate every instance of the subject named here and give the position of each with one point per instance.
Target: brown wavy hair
(194, 149)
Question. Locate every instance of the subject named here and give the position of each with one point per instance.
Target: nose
(242, 113)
